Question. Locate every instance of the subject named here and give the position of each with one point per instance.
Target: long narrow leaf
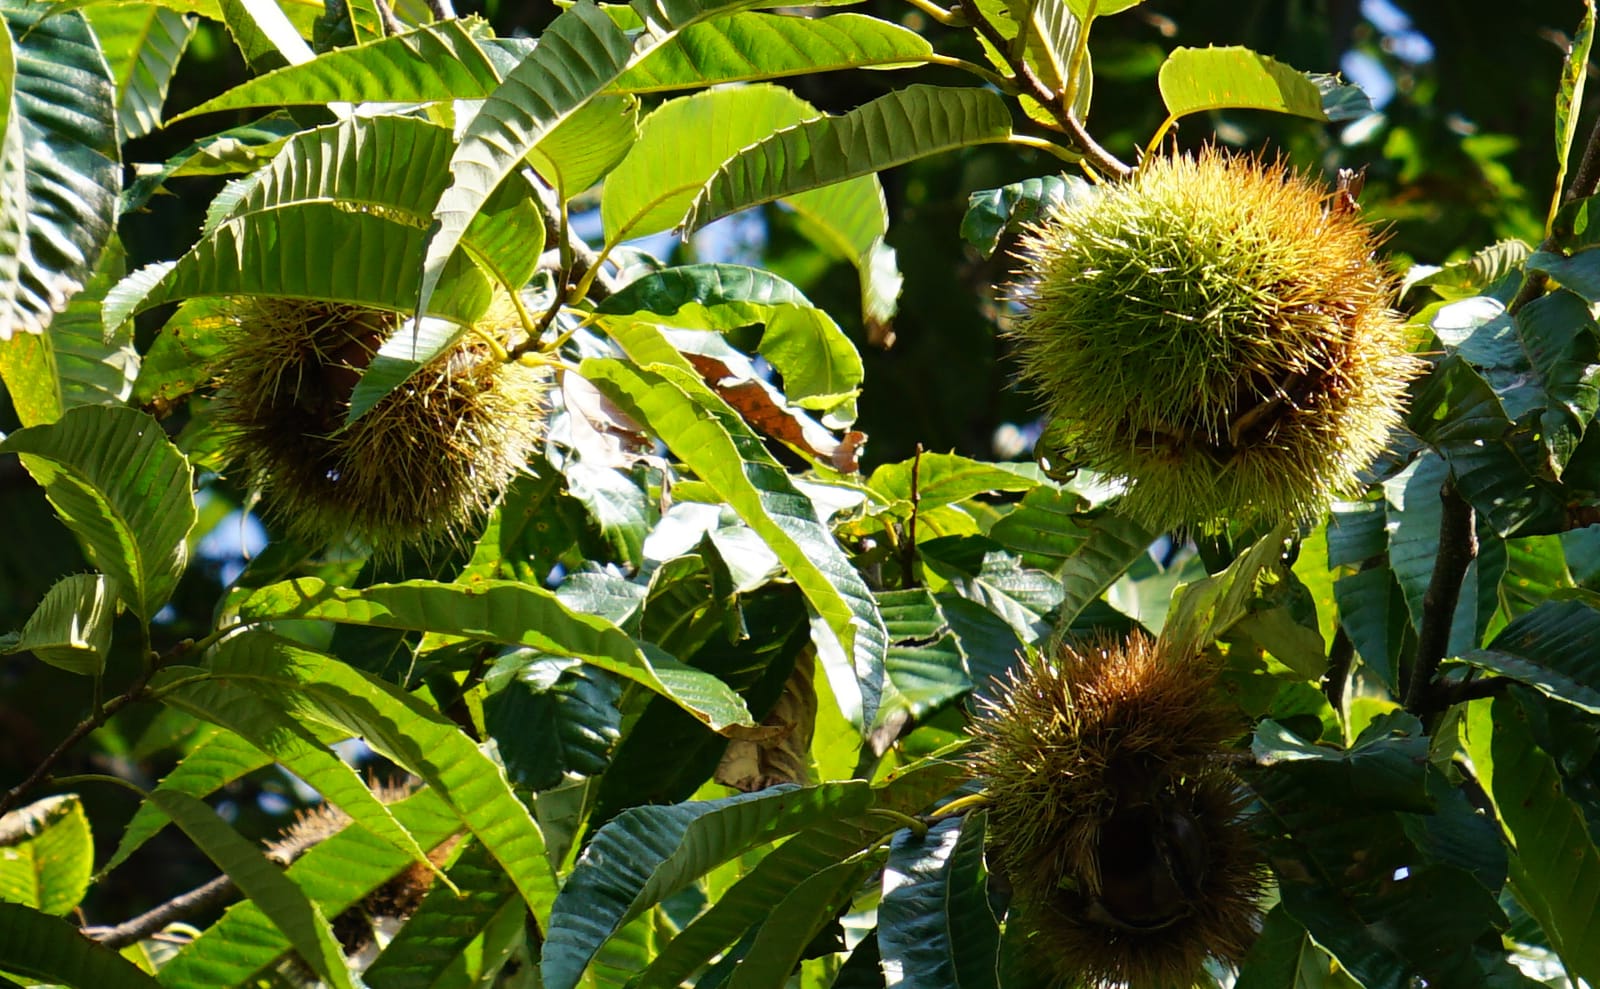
(647, 853)
(335, 873)
(410, 733)
(1555, 868)
(509, 612)
(262, 881)
(580, 54)
(902, 126)
(722, 449)
(747, 46)
(935, 926)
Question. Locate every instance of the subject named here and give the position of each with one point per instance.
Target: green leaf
(925, 661)
(311, 250)
(648, 853)
(555, 718)
(943, 479)
(1202, 611)
(405, 730)
(1112, 544)
(935, 925)
(142, 45)
(503, 611)
(993, 214)
(588, 144)
(263, 882)
(896, 128)
(1373, 612)
(120, 485)
(721, 448)
(268, 722)
(1193, 80)
(1044, 529)
(1555, 867)
(1476, 275)
(681, 145)
(37, 946)
(1084, 9)
(743, 47)
(46, 855)
(335, 874)
(210, 765)
(71, 628)
(59, 170)
(783, 939)
(444, 926)
(820, 366)
(441, 61)
(808, 852)
(1385, 769)
(1569, 96)
(1555, 648)
(579, 55)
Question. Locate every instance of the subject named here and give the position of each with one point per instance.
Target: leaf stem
(1458, 546)
(918, 827)
(908, 564)
(949, 18)
(962, 805)
(1049, 147)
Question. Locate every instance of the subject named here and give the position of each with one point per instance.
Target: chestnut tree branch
(214, 893)
(1458, 546)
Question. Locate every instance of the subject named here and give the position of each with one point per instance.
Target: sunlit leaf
(935, 924)
(46, 855)
(1193, 80)
(893, 129)
(1555, 868)
(712, 439)
(503, 611)
(142, 45)
(71, 628)
(59, 170)
(747, 46)
(120, 485)
(258, 878)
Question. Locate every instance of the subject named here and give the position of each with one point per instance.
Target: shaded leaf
(783, 939)
(120, 485)
(1112, 543)
(1555, 648)
(647, 853)
(936, 927)
(38, 946)
(994, 214)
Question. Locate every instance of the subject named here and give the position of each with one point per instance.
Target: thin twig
(213, 893)
(391, 23)
(1458, 545)
(1094, 154)
(1472, 690)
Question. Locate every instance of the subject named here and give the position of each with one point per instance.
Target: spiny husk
(1095, 751)
(419, 468)
(1216, 333)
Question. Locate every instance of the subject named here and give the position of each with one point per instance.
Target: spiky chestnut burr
(1120, 830)
(1216, 333)
(419, 468)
